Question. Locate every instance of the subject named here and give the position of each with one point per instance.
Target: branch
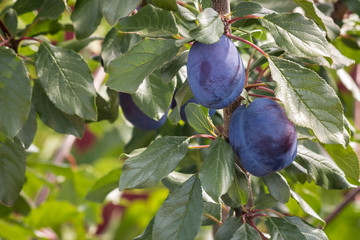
(7, 33)
(349, 197)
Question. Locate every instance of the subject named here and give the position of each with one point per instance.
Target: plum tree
(216, 73)
(134, 115)
(263, 137)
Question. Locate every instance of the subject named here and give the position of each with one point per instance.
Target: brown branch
(8, 34)
(349, 197)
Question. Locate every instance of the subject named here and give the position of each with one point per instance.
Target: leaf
(15, 230)
(309, 101)
(239, 189)
(171, 68)
(51, 214)
(169, 5)
(349, 83)
(67, 81)
(153, 96)
(150, 21)
(128, 71)
(323, 171)
(44, 27)
(108, 109)
(305, 206)
(12, 170)
(296, 34)
(10, 20)
(86, 17)
(246, 232)
(15, 93)
(198, 117)
(104, 186)
(282, 229)
(53, 117)
(51, 9)
(227, 230)
(265, 201)
(179, 216)
(310, 232)
(250, 8)
(147, 234)
(325, 22)
(28, 131)
(278, 187)
(346, 159)
(157, 161)
(24, 6)
(217, 172)
(210, 28)
(115, 9)
(182, 95)
(117, 43)
(77, 45)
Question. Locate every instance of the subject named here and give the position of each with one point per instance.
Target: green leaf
(250, 8)
(246, 232)
(86, 17)
(210, 28)
(227, 230)
(169, 5)
(117, 43)
(15, 93)
(10, 20)
(104, 186)
(278, 187)
(128, 71)
(77, 45)
(42, 27)
(150, 21)
(174, 180)
(67, 81)
(108, 109)
(265, 201)
(310, 232)
(346, 159)
(147, 234)
(217, 172)
(309, 101)
(51, 214)
(305, 206)
(28, 131)
(115, 9)
(183, 94)
(15, 230)
(171, 68)
(179, 216)
(323, 171)
(282, 229)
(153, 96)
(296, 34)
(24, 6)
(12, 170)
(198, 117)
(51, 9)
(157, 161)
(325, 22)
(349, 83)
(53, 117)
(239, 189)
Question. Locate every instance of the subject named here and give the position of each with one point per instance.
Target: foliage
(61, 131)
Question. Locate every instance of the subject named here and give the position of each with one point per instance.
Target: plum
(263, 137)
(216, 73)
(134, 115)
(192, 100)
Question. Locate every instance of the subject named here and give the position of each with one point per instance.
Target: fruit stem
(240, 18)
(212, 218)
(203, 136)
(248, 43)
(248, 67)
(255, 85)
(262, 96)
(199, 146)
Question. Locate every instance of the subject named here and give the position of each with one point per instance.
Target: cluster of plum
(261, 135)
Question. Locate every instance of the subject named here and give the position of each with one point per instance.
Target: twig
(262, 96)
(261, 234)
(248, 68)
(262, 73)
(348, 198)
(7, 33)
(248, 43)
(5, 42)
(199, 146)
(240, 18)
(202, 136)
(212, 218)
